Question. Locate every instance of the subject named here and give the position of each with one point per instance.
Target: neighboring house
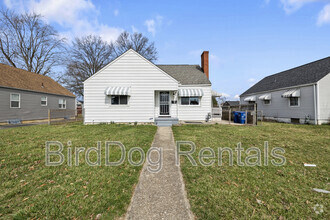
(298, 95)
(228, 104)
(28, 96)
(80, 105)
(132, 89)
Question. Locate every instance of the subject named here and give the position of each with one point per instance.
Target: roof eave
(278, 89)
(29, 90)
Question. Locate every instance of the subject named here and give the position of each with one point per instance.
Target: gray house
(27, 96)
(298, 95)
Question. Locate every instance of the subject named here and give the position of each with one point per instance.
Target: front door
(164, 103)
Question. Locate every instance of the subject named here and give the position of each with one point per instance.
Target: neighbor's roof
(186, 74)
(21, 79)
(232, 103)
(305, 74)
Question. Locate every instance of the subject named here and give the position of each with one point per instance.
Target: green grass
(233, 192)
(29, 189)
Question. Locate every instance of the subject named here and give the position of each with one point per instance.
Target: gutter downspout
(318, 101)
(315, 104)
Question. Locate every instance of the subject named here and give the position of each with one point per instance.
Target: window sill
(116, 106)
(190, 105)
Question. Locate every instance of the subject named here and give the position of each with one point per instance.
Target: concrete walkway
(161, 195)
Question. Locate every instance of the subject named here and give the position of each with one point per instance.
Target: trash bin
(239, 117)
(236, 117)
(242, 117)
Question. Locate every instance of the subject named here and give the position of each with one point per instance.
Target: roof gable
(123, 55)
(305, 74)
(16, 78)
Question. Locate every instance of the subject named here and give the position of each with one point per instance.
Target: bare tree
(29, 43)
(87, 56)
(137, 42)
(222, 100)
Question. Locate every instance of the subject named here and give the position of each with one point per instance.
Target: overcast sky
(247, 40)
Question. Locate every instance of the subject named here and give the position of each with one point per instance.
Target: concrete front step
(166, 121)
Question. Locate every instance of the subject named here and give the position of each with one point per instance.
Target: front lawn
(29, 189)
(272, 192)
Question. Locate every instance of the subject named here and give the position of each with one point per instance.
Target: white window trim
(19, 100)
(294, 106)
(46, 101)
(62, 103)
(119, 105)
(270, 102)
(199, 102)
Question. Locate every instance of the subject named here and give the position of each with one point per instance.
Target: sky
(247, 40)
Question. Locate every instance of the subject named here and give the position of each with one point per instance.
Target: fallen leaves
(69, 195)
(42, 185)
(24, 184)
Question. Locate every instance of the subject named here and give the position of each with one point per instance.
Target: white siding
(280, 109)
(196, 113)
(324, 99)
(129, 70)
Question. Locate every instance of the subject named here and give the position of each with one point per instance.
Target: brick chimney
(205, 63)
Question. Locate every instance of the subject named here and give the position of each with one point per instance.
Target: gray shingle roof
(232, 103)
(186, 74)
(305, 74)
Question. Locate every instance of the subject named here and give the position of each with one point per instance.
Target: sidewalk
(161, 195)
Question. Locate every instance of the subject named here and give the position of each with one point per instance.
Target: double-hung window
(43, 100)
(294, 101)
(62, 103)
(189, 100)
(119, 100)
(267, 102)
(15, 100)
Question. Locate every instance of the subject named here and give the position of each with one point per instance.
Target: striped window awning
(250, 99)
(265, 97)
(291, 93)
(117, 90)
(190, 92)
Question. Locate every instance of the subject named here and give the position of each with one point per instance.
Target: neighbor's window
(189, 100)
(15, 99)
(43, 100)
(252, 102)
(294, 101)
(119, 100)
(62, 103)
(267, 102)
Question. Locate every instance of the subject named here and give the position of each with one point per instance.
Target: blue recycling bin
(236, 117)
(239, 117)
(242, 117)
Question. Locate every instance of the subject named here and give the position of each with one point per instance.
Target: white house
(298, 95)
(133, 89)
